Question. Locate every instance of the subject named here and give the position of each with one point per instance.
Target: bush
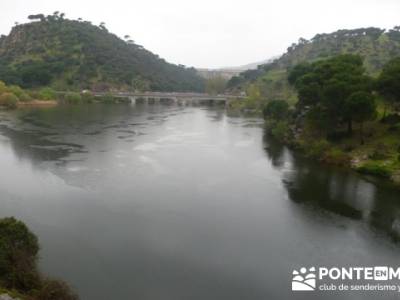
(336, 156)
(47, 93)
(8, 100)
(3, 87)
(109, 98)
(87, 97)
(73, 98)
(279, 130)
(19, 249)
(55, 290)
(20, 93)
(376, 168)
(18, 254)
(318, 148)
(381, 151)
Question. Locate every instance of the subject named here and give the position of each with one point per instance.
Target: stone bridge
(174, 97)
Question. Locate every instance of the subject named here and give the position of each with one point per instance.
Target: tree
(298, 71)
(40, 17)
(388, 82)
(18, 255)
(361, 107)
(215, 85)
(327, 86)
(276, 109)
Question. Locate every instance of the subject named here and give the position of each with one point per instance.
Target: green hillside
(376, 47)
(74, 54)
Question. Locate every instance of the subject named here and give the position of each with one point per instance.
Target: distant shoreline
(37, 103)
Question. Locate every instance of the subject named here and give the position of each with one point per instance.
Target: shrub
(108, 98)
(3, 87)
(18, 254)
(47, 93)
(20, 93)
(280, 130)
(55, 290)
(87, 97)
(375, 168)
(336, 156)
(73, 98)
(8, 100)
(381, 151)
(318, 148)
(18, 270)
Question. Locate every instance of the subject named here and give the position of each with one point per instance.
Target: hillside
(74, 54)
(375, 45)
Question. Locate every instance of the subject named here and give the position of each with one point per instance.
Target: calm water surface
(166, 202)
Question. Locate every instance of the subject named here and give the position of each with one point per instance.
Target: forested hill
(376, 46)
(74, 54)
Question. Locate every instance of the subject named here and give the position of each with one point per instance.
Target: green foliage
(3, 87)
(87, 97)
(19, 249)
(375, 45)
(47, 93)
(318, 148)
(276, 109)
(215, 85)
(376, 168)
(336, 156)
(279, 130)
(389, 81)
(8, 100)
(337, 89)
(20, 93)
(361, 107)
(73, 98)
(18, 255)
(78, 55)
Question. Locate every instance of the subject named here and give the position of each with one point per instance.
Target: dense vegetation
(334, 95)
(74, 54)
(336, 90)
(376, 47)
(19, 275)
(215, 85)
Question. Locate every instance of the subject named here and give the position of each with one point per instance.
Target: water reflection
(338, 191)
(158, 201)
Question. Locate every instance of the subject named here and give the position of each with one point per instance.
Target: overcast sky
(214, 33)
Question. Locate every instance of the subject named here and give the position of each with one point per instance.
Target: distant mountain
(70, 54)
(377, 46)
(229, 72)
(251, 66)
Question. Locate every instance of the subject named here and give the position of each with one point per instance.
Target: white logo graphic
(303, 280)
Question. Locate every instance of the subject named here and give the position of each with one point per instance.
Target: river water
(167, 202)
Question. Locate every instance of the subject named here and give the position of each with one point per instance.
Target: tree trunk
(349, 126)
(361, 134)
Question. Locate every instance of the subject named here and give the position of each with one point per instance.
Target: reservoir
(185, 202)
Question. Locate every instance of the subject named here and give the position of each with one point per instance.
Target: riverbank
(37, 103)
(376, 153)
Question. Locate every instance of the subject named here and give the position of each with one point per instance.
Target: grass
(11, 293)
